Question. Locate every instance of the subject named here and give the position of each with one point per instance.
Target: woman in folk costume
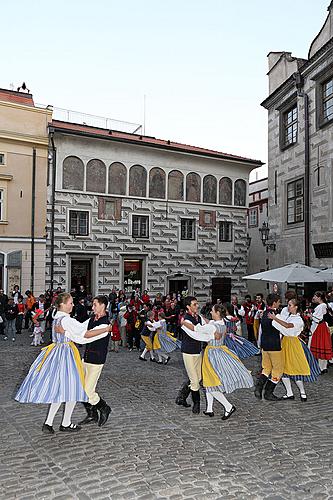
(299, 363)
(320, 338)
(146, 336)
(241, 346)
(56, 376)
(222, 370)
(163, 341)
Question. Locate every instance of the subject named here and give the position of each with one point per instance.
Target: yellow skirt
(147, 341)
(295, 362)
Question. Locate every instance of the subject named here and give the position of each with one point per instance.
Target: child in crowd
(20, 314)
(115, 336)
(38, 339)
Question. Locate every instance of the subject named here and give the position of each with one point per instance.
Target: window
(207, 218)
(175, 185)
(72, 173)
(253, 216)
(2, 159)
(187, 229)
(109, 208)
(1, 205)
(225, 188)
(225, 231)
(289, 126)
(96, 176)
(140, 226)
(117, 178)
(138, 181)
(295, 201)
(78, 223)
(327, 100)
(240, 193)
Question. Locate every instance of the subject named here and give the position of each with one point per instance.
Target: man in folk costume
(93, 361)
(272, 356)
(192, 357)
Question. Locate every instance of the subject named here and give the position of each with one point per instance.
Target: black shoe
(153, 360)
(167, 360)
(142, 359)
(196, 402)
(227, 414)
(209, 413)
(70, 428)
(48, 429)
(324, 371)
(92, 414)
(269, 389)
(159, 362)
(104, 412)
(183, 394)
(303, 398)
(287, 397)
(260, 386)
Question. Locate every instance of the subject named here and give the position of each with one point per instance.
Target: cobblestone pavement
(150, 448)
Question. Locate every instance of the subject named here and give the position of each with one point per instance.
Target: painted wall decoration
(240, 193)
(138, 181)
(117, 178)
(157, 183)
(225, 191)
(175, 185)
(209, 189)
(96, 176)
(72, 173)
(193, 187)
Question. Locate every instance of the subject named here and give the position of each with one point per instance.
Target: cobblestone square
(151, 448)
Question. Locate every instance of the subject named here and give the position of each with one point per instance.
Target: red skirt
(321, 344)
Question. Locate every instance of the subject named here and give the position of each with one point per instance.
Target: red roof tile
(17, 97)
(145, 140)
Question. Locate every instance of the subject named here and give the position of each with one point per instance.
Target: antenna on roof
(24, 88)
(144, 114)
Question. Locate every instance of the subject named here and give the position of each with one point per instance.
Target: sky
(201, 64)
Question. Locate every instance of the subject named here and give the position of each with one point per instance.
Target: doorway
(177, 285)
(81, 274)
(133, 274)
(221, 289)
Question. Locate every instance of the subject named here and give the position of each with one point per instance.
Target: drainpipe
(299, 81)
(33, 203)
(53, 181)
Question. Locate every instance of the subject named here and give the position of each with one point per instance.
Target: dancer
(93, 361)
(241, 346)
(163, 341)
(320, 338)
(299, 363)
(146, 336)
(222, 370)
(56, 376)
(272, 357)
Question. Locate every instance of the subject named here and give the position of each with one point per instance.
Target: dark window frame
(226, 231)
(254, 209)
(295, 198)
(321, 100)
(286, 125)
(70, 222)
(185, 222)
(138, 232)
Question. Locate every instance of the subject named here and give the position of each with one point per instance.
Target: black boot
(92, 414)
(260, 385)
(269, 389)
(196, 401)
(104, 412)
(183, 393)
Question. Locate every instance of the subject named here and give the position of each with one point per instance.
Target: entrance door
(132, 274)
(221, 289)
(81, 274)
(177, 285)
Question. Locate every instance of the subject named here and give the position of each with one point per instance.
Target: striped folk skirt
(240, 346)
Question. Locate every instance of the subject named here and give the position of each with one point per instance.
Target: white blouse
(318, 315)
(75, 330)
(295, 319)
(203, 333)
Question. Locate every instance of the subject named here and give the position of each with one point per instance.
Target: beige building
(23, 181)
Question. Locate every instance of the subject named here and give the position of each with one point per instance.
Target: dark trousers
(27, 319)
(133, 337)
(19, 323)
(250, 333)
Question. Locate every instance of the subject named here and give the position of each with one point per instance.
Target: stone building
(300, 152)
(23, 176)
(258, 254)
(128, 211)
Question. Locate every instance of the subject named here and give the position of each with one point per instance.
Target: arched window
(72, 173)
(225, 191)
(175, 185)
(157, 183)
(117, 178)
(96, 176)
(138, 181)
(209, 189)
(240, 193)
(193, 187)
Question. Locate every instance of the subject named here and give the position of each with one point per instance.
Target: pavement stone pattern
(153, 449)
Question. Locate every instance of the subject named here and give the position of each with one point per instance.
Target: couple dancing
(219, 367)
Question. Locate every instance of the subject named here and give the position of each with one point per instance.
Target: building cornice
(24, 138)
(25, 107)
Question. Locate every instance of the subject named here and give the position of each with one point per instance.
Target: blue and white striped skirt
(231, 372)
(168, 344)
(240, 346)
(57, 381)
(313, 364)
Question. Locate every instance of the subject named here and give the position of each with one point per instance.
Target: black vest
(270, 336)
(95, 352)
(189, 345)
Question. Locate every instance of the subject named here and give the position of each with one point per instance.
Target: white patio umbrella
(292, 273)
(327, 274)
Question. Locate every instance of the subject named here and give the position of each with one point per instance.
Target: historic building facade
(129, 211)
(300, 152)
(23, 176)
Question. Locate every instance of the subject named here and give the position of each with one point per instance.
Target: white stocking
(54, 407)
(210, 401)
(287, 383)
(144, 352)
(151, 354)
(300, 386)
(322, 364)
(69, 407)
(222, 399)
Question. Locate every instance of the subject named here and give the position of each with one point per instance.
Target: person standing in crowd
(115, 335)
(132, 333)
(320, 342)
(171, 318)
(29, 304)
(272, 356)
(56, 376)
(16, 293)
(11, 313)
(3, 303)
(192, 357)
(259, 307)
(145, 297)
(81, 313)
(239, 312)
(20, 315)
(249, 317)
(122, 325)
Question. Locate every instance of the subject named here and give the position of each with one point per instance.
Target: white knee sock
(165, 356)
(210, 401)
(287, 383)
(322, 364)
(144, 352)
(69, 407)
(222, 399)
(151, 354)
(54, 407)
(300, 386)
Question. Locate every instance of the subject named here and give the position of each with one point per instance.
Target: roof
(86, 130)
(17, 97)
